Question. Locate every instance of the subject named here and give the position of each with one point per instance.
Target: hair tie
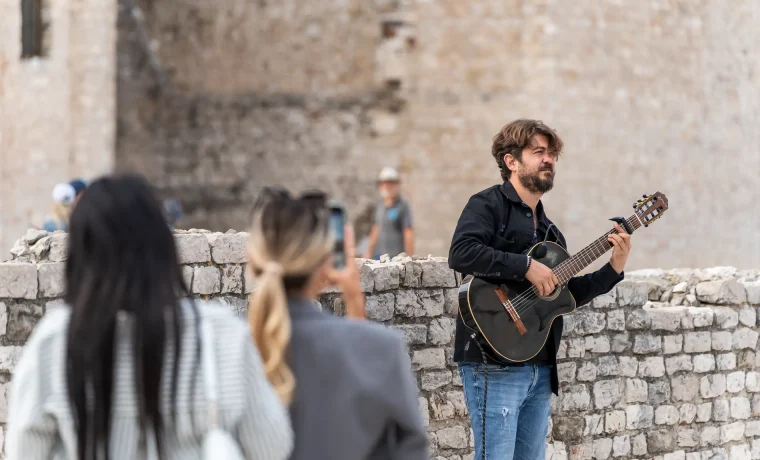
(273, 268)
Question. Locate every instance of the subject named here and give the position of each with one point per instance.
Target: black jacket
(493, 232)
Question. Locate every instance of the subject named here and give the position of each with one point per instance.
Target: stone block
(614, 422)
(602, 448)
(721, 340)
(575, 398)
(3, 318)
(616, 320)
(740, 408)
(566, 372)
(666, 415)
(663, 317)
(687, 437)
(742, 451)
(454, 437)
(753, 382)
(687, 413)
(712, 386)
(587, 372)
(647, 343)
(621, 446)
(752, 288)
(576, 348)
(637, 319)
(653, 366)
(249, 281)
(735, 381)
(59, 248)
(598, 344)
(608, 366)
(441, 331)
(726, 317)
(413, 304)
(607, 300)
(752, 428)
(632, 294)
(661, 441)
(748, 316)
(424, 410)
(430, 358)
(448, 406)
(228, 248)
(386, 276)
(659, 392)
(672, 344)
(628, 366)
(636, 391)
(9, 357)
(192, 248)
(584, 451)
(414, 334)
(721, 292)
(607, 393)
(18, 281)
(697, 342)
(639, 445)
(704, 412)
(412, 274)
(621, 343)
(747, 359)
(365, 275)
(433, 380)
(726, 361)
(52, 279)
(698, 317)
(744, 338)
(721, 410)
(685, 387)
(206, 280)
(704, 363)
(437, 274)
(232, 279)
(594, 424)
(732, 432)
(569, 428)
(562, 350)
(590, 322)
(379, 307)
(710, 436)
(451, 301)
(22, 318)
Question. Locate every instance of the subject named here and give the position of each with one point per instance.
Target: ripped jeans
(517, 410)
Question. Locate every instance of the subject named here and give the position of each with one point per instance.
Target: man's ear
(510, 161)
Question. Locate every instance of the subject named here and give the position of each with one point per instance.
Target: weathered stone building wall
(648, 94)
(665, 366)
(57, 111)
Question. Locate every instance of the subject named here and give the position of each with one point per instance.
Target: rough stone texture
(51, 279)
(192, 248)
(228, 248)
(642, 391)
(18, 281)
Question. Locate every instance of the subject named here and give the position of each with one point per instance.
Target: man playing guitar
(495, 229)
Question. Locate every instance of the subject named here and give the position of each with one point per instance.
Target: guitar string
(526, 300)
(529, 298)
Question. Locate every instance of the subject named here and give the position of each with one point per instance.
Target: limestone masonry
(665, 366)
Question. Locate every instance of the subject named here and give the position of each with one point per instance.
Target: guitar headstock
(651, 207)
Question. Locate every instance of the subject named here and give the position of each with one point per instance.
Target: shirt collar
(509, 191)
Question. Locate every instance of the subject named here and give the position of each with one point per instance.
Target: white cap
(388, 174)
(64, 194)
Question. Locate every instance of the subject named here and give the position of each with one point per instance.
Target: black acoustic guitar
(512, 320)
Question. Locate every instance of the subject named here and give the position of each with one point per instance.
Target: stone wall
(303, 93)
(57, 110)
(665, 366)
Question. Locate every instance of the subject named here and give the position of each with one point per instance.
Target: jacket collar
(509, 191)
(303, 307)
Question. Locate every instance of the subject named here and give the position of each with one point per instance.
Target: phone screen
(338, 224)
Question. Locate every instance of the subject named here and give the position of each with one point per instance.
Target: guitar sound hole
(554, 294)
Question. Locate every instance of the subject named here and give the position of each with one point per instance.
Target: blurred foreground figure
(116, 372)
(349, 382)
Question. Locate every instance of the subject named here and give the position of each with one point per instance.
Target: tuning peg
(644, 196)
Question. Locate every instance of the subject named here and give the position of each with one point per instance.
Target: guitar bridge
(511, 310)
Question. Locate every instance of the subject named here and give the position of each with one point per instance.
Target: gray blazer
(356, 397)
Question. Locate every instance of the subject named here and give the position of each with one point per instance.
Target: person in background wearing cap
(63, 199)
(79, 186)
(392, 232)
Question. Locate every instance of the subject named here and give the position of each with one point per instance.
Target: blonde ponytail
(270, 324)
(289, 240)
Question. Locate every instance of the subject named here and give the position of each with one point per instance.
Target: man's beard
(534, 183)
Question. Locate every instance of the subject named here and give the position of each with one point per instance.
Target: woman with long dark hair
(349, 382)
(116, 372)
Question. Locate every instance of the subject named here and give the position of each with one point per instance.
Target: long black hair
(122, 258)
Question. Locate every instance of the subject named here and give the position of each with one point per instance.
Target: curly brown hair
(517, 135)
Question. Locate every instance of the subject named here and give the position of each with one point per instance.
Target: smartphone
(338, 224)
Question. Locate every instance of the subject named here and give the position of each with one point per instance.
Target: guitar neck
(586, 256)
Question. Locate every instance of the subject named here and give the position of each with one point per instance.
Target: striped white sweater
(40, 424)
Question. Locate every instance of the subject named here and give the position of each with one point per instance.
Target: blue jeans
(517, 410)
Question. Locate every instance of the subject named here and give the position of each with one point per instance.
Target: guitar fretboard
(583, 258)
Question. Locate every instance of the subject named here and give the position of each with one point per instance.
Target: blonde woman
(349, 383)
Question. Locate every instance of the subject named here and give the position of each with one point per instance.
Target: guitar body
(482, 310)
